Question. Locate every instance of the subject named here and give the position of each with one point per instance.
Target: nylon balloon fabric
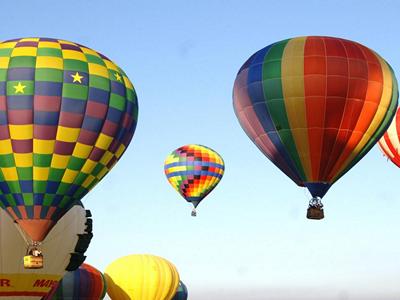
(67, 114)
(141, 277)
(194, 171)
(86, 283)
(390, 142)
(315, 106)
(181, 292)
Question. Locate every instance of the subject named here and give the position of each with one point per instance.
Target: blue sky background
(251, 239)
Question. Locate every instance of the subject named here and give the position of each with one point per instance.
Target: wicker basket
(315, 213)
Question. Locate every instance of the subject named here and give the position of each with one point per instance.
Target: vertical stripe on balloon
(315, 98)
(389, 144)
(380, 106)
(274, 105)
(293, 94)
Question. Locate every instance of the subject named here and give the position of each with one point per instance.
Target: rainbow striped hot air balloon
(194, 171)
(315, 106)
(85, 283)
(67, 114)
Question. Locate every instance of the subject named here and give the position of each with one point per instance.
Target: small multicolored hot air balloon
(390, 141)
(64, 247)
(85, 283)
(141, 277)
(182, 292)
(315, 106)
(67, 114)
(194, 171)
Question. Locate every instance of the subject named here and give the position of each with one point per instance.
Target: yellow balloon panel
(141, 277)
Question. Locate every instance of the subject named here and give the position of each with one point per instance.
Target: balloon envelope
(390, 141)
(67, 114)
(181, 293)
(141, 277)
(85, 283)
(315, 106)
(194, 171)
(59, 248)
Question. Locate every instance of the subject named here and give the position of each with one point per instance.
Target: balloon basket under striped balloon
(315, 213)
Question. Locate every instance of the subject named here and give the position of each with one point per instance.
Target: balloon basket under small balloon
(194, 213)
(315, 213)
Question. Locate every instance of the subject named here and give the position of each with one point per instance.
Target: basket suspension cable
(22, 233)
(316, 202)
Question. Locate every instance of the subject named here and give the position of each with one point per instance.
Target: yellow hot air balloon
(141, 277)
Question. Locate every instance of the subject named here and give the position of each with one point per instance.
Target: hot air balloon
(181, 293)
(141, 277)
(67, 114)
(194, 171)
(63, 247)
(390, 141)
(315, 106)
(85, 283)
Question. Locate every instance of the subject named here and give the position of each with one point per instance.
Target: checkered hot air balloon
(67, 114)
(315, 106)
(194, 171)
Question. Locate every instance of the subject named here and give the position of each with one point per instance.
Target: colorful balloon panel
(390, 141)
(141, 277)
(67, 114)
(315, 106)
(85, 283)
(194, 171)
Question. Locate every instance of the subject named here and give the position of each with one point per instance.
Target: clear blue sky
(251, 239)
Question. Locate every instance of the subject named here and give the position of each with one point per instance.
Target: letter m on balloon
(43, 283)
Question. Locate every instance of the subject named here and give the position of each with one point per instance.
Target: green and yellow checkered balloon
(67, 114)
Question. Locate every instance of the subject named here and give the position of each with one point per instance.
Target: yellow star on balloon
(118, 77)
(19, 88)
(77, 77)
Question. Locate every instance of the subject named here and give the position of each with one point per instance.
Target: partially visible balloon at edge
(141, 277)
(64, 246)
(85, 283)
(67, 114)
(182, 292)
(389, 143)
